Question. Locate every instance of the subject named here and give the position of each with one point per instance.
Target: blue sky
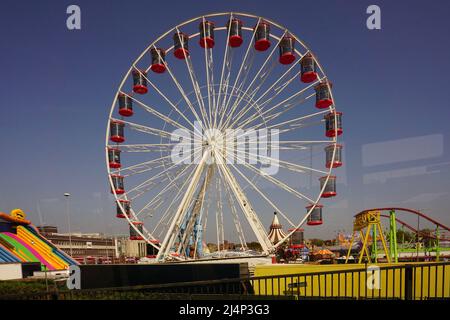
(57, 86)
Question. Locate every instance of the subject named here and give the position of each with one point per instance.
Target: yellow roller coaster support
(367, 220)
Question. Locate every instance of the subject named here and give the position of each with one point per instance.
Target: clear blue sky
(57, 86)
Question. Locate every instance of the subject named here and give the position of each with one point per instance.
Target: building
(83, 247)
(93, 248)
(127, 248)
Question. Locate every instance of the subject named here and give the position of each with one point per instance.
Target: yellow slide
(44, 249)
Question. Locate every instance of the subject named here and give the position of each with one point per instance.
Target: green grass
(28, 286)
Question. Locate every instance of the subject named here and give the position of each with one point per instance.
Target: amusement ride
(202, 79)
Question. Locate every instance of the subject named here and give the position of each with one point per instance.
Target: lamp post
(67, 195)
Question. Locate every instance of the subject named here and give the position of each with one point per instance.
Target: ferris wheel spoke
(146, 147)
(167, 212)
(146, 129)
(151, 181)
(245, 205)
(158, 114)
(175, 225)
(276, 182)
(286, 104)
(150, 185)
(167, 178)
(276, 92)
(300, 144)
(145, 168)
(263, 195)
(165, 98)
(271, 116)
(297, 121)
(209, 68)
(150, 213)
(259, 108)
(237, 91)
(135, 168)
(236, 220)
(179, 87)
(226, 63)
(263, 74)
(243, 66)
(194, 82)
(219, 218)
(172, 184)
(283, 164)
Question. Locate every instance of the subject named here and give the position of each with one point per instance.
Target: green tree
(317, 242)
(405, 235)
(254, 246)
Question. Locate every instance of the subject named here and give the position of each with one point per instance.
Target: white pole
(67, 195)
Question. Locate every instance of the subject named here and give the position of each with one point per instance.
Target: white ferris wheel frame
(267, 246)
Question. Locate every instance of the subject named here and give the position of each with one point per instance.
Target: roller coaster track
(418, 213)
(421, 233)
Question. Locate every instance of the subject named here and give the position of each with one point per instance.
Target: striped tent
(276, 232)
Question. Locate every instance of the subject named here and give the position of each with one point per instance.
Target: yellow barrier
(428, 281)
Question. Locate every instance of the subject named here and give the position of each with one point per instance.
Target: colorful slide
(19, 249)
(21, 242)
(40, 246)
(6, 256)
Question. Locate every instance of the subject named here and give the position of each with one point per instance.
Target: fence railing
(403, 281)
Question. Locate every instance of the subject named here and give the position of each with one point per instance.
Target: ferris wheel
(219, 122)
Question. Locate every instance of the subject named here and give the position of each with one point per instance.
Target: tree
(254, 246)
(428, 242)
(405, 235)
(317, 242)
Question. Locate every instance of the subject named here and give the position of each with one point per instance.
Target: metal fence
(417, 281)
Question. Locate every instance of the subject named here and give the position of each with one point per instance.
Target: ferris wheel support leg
(246, 207)
(171, 235)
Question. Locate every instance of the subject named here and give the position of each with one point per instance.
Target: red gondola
(297, 239)
(116, 129)
(262, 36)
(308, 68)
(206, 34)
(125, 105)
(152, 252)
(114, 158)
(140, 81)
(118, 184)
(287, 53)
(315, 218)
(181, 45)
(330, 119)
(134, 235)
(126, 206)
(330, 187)
(235, 29)
(323, 95)
(337, 157)
(158, 60)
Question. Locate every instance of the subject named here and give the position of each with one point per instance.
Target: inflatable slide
(20, 241)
